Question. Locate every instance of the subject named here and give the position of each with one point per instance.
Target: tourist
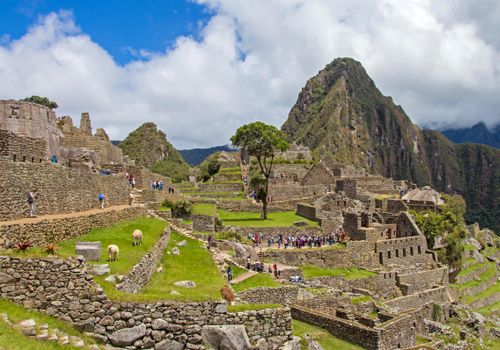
(133, 182)
(249, 262)
(101, 199)
(209, 240)
(161, 185)
(229, 272)
(130, 198)
(275, 269)
(32, 198)
(270, 269)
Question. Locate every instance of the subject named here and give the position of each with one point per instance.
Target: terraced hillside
(477, 283)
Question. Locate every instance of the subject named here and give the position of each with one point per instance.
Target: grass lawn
(490, 309)
(248, 219)
(233, 170)
(353, 273)
(204, 209)
(194, 263)
(485, 276)
(471, 268)
(325, 339)
(12, 339)
(258, 280)
(247, 307)
(360, 299)
(484, 294)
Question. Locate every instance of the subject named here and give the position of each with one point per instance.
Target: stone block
(91, 251)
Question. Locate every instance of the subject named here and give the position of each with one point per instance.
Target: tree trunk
(264, 200)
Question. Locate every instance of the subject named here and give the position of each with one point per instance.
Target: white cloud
(437, 59)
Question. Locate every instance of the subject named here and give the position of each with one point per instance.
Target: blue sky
(200, 69)
(119, 26)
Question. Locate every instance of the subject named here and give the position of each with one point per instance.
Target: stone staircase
(137, 197)
(43, 332)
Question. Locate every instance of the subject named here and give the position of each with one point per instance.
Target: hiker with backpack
(32, 197)
(101, 198)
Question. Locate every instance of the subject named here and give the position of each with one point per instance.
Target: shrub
(51, 248)
(23, 246)
(180, 208)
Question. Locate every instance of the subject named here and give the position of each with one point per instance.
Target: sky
(202, 68)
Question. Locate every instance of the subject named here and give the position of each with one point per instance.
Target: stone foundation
(279, 295)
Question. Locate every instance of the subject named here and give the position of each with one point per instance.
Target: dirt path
(243, 277)
(62, 216)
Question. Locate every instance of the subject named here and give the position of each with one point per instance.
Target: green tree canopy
(261, 141)
(44, 101)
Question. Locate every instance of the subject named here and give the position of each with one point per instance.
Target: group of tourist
(316, 241)
(131, 179)
(157, 185)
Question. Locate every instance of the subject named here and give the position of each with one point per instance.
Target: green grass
(12, 339)
(194, 263)
(187, 221)
(247, 307)
(121, 235)
(485, 276)
(360, 299)
(471, 268)
(490, 309)
(204, 209)
(353, 273)
(325, 339)
(249, 219)
(469, 247)
(233, 170)
(238, 271)
(483, 295)
(258, 280)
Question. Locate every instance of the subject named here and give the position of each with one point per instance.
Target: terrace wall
(56, 230)
(64, 289)
(61, 189)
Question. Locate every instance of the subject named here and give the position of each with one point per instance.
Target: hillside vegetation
(340, 114)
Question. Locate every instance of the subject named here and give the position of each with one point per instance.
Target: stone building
(81, 144)
(422, 199)
(26, 119)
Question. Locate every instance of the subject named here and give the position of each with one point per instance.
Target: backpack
(101, 196)
(30, 198)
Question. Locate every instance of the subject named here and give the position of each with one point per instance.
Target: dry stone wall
(266, 232)
(423, 280)
(437, 295)
(61, 189)
(56, 230)
(64, 289)
(203, 223)
(308, 256)
(22, 149)
(279, 295)
(141, 273)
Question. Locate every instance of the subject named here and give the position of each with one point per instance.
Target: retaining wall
(56, 230)
(261, 295)
(64, 289)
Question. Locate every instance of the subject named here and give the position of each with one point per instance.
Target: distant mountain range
(478, 133)
(197, 155)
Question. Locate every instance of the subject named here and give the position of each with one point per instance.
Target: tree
(261, 141)
(44, 101)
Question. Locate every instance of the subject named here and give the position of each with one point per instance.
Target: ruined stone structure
(74, 297)
(288, 173)
(26, 119)
(423, 199)
(80, 144)
(21, 149)
(296, 152)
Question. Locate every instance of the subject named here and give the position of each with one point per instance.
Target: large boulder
(226, 337)
(127, 336)
(7, 279)
(185, 284)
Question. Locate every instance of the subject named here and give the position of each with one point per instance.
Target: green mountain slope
(149, 147)
(341, 114)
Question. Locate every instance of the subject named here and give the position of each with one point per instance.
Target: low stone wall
(56, 230)
(221, 187)
(203, 223)
(481, 287)
(61, 189)
(141, 273)
(307, 211)
(280, 295)
(471, 276)
(423, 280)
(64, 289)
(436, 295)
(344, 329)
(310, 256)
(479, 303)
